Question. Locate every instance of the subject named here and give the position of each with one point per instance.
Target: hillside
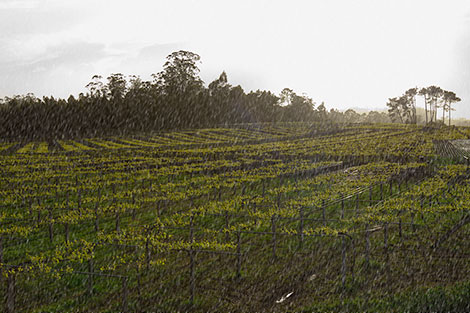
(249, 218)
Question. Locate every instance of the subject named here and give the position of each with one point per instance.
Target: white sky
(344, 52)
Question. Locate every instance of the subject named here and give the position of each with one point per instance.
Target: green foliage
(147, 208)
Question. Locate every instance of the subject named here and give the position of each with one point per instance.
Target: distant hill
(366, 110)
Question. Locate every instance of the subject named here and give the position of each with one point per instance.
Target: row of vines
(194, 219)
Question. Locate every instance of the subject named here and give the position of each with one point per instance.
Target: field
(251, 218)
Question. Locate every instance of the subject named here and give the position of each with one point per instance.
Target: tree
(218, 84)
(410, 99)
(116, 87)
(286, 97)
(449, 97)
(96, 87)
(434, 98)
(295, 107)
(352, 116)
(403, 109)
(395, 110)
(336, 116)
(180, 73)
(262, 106)
(219, 91)
(377, 117)
(237, 104)
(179, 85)
(434, 95)
(423, 92)
(321, 112)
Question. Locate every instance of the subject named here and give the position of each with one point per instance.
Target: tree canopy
(175, 98)
(403, 109)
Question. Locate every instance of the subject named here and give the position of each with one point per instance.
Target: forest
(176, 98)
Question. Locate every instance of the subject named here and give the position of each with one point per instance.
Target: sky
(349, 54)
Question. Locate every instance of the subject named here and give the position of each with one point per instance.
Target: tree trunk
(431, 110)
(426, 107)
(443, 113)
(450, 110)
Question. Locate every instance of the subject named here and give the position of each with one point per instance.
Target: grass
(453, 298)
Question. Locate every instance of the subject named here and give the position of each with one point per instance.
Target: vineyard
(251, 218)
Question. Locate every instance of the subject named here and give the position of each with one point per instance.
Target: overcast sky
(344, 52)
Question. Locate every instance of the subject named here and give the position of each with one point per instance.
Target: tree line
(175, 98)
(403, 109)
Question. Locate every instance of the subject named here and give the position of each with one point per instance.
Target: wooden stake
(273, 229)
(191, 262)
(357, 205)
(239, 255)
(301, 227)
(66, 229)
(227, 235)
(51, 232)
(90, 277)
(342, 206)
(343, 263)
(367, 247)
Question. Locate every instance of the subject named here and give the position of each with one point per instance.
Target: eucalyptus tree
(262, 106)
(180, 73)
(116, 87)
(219, 100)
(96, 87)
(286, 97)
(179, 85)
(295, 107)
